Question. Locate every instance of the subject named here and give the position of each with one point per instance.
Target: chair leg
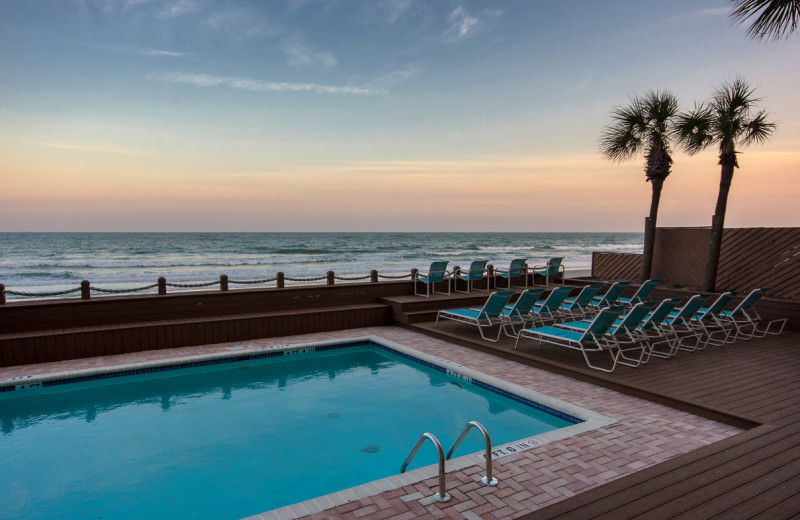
(614, 359)
(495, 340)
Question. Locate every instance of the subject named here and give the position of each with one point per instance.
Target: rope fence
(280, 279)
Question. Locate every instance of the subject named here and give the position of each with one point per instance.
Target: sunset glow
(317, 115)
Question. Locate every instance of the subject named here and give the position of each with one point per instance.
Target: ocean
(51, 262)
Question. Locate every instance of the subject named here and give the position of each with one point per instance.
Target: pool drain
(371, 449)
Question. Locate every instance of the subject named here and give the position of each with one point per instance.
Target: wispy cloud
(302, 55)
(240, 23)
(85, 148)
(299, 4)
(205, 80)
(394, 9)
(157, 52)
(395, 76)
(714, 12)
(178, 8)
(463, 24)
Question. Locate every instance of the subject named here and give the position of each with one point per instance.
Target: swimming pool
(234, 436)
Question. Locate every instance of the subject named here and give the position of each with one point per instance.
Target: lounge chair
(621, 332)
(707, 322)
(641, 294)
(550, 308)
(519, 313)
(486, 317)
(679, 323)
(654, 332)
(628, 319)
(476, 272)
(436, 274)
(579, 307)
(590, 340)
(611, 295)
(517, 269)
(744, 318)
(553, 268)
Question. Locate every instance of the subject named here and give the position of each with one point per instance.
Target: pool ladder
(443, 495)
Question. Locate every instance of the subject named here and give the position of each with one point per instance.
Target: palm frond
(774, 19)
(734, 97)
(758, 130)
(644, 125)
(619, 143)
(731, 105)
(694, 130)
(622, 139)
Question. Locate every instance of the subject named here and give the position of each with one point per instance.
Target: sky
(383, 115)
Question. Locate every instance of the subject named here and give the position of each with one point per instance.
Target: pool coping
(590, 420)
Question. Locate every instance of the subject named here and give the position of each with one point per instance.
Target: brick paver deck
(645, 434)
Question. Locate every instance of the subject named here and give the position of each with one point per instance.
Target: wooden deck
(752, 475)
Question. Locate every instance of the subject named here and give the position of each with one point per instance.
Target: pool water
(237, 439)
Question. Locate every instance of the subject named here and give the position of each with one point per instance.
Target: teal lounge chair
(611, 295)
(591, 340)
(679, 323)
(579, 307)
(485, 318)
(744, 319)
(708, 325)
(622, 332)
(550, 308)
(476, 272)
(519, 313)
(436, 274)
(627, 321)
(654, 333)
(553, 268)
(641, 294)
(517, 269)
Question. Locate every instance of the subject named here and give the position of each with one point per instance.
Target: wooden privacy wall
(680, 255)
(750, 258)
(761, 257)
(616, 266)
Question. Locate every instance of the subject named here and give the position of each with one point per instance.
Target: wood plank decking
(752, 475)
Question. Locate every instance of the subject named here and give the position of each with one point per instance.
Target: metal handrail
(442, 495)
(488, 479)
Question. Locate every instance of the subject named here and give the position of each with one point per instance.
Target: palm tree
(725, 120)
(644, 126)
(777, 19)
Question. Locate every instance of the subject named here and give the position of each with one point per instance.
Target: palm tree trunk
(650, 228)
(728, 162)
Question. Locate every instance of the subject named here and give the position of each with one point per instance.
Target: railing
(442, 495)
(224, 283)
(488, 479)
(86, 288)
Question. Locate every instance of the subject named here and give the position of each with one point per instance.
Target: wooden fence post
(162, 285)
(490, 275)
(330, 278)
(223, 282)
(279, 282)
(2, 294)
(373, 276)
(86, 291)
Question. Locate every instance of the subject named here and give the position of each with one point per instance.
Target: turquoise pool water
(239, 438)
